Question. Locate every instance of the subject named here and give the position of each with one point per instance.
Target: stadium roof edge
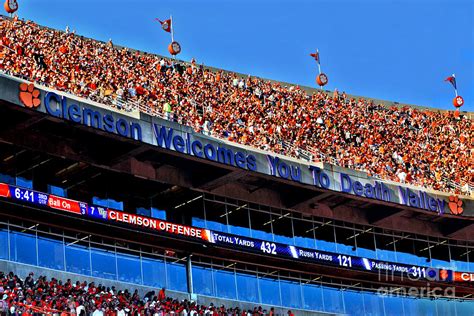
(386, 103)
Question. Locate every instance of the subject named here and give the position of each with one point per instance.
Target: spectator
(401, 175)
(162, 295)
(54, 297)
(431, 149)
(167, 111)
(98, 311)
(3, 304)
(149, 296)
(80, 309)
(29, 280)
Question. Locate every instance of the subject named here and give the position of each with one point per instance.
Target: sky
(396, 50)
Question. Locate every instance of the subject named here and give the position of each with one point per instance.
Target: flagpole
(172, 31)
(456, 86)
(319, 64)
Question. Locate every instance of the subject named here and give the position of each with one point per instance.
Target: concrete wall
(22, 270)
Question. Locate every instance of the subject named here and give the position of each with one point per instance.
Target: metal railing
(299, 152)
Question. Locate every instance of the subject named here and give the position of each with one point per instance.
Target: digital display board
(4, 190)
(226, 240)
(96, 212)
(44, 199)
(67, 205)
(27, 195)
(317, 256)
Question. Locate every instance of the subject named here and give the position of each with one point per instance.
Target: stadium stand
(77, 200)
(51, 296)
(420, 147)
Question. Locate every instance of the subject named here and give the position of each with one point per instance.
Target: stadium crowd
(403, 144)
(53, 297)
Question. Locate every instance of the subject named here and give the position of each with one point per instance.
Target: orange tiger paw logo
(29, 96)
(455, 205)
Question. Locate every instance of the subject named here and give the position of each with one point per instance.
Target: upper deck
(320, 188)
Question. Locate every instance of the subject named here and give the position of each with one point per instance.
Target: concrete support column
(189, 275)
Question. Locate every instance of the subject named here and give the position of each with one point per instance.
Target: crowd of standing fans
(420, 147)
(42, 296)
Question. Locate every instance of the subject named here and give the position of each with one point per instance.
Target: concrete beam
(262, 195)
(217, 182)
(173, 175)
(384, 216)
(462, 231)
(131, 154)
(25, 125)
(310, 201)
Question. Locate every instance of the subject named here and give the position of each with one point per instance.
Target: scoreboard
(225, 240)
(42, 199)
(274, 249)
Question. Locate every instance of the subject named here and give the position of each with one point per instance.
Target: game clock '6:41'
(24, 195)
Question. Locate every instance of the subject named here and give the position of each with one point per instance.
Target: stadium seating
(424, 148)
(42, 296)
